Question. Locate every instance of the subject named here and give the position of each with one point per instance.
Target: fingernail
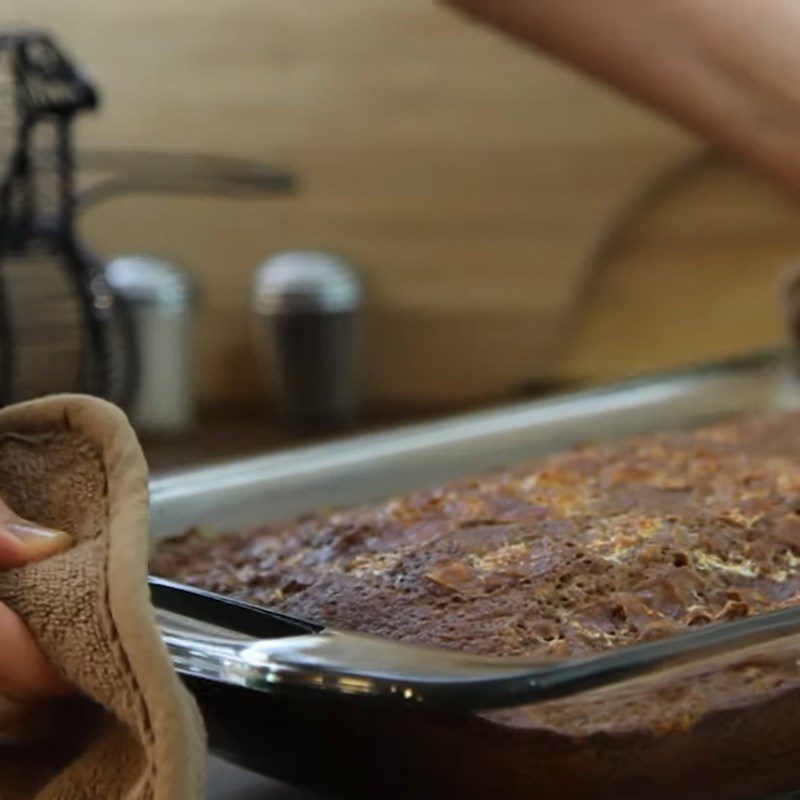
(37, 540)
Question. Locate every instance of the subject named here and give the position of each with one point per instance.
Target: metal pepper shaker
(157, 299)
(306, 306)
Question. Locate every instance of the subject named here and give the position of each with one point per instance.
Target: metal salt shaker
(158, 299)
(305, 309)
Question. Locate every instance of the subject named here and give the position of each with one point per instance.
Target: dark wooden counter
(218, 437)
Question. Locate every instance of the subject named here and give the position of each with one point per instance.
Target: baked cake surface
(598, 547)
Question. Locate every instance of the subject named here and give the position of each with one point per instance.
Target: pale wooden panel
(697, 278)
(468, 177)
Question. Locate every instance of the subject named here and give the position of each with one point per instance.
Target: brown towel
(74, 463)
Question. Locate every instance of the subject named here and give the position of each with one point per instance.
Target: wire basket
(59, 329)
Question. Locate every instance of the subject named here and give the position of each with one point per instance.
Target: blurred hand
(725, 68)
(26, 676)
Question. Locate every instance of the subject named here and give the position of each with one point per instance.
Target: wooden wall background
(470, 179)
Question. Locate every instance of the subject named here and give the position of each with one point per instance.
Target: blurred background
(515, 228)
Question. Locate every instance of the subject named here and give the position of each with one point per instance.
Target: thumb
(25, 672)
(22, 541)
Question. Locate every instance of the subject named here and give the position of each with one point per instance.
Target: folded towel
(133, 731)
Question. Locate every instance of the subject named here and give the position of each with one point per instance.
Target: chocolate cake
(596, 548)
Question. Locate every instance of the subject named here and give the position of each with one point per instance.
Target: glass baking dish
(642, 734)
